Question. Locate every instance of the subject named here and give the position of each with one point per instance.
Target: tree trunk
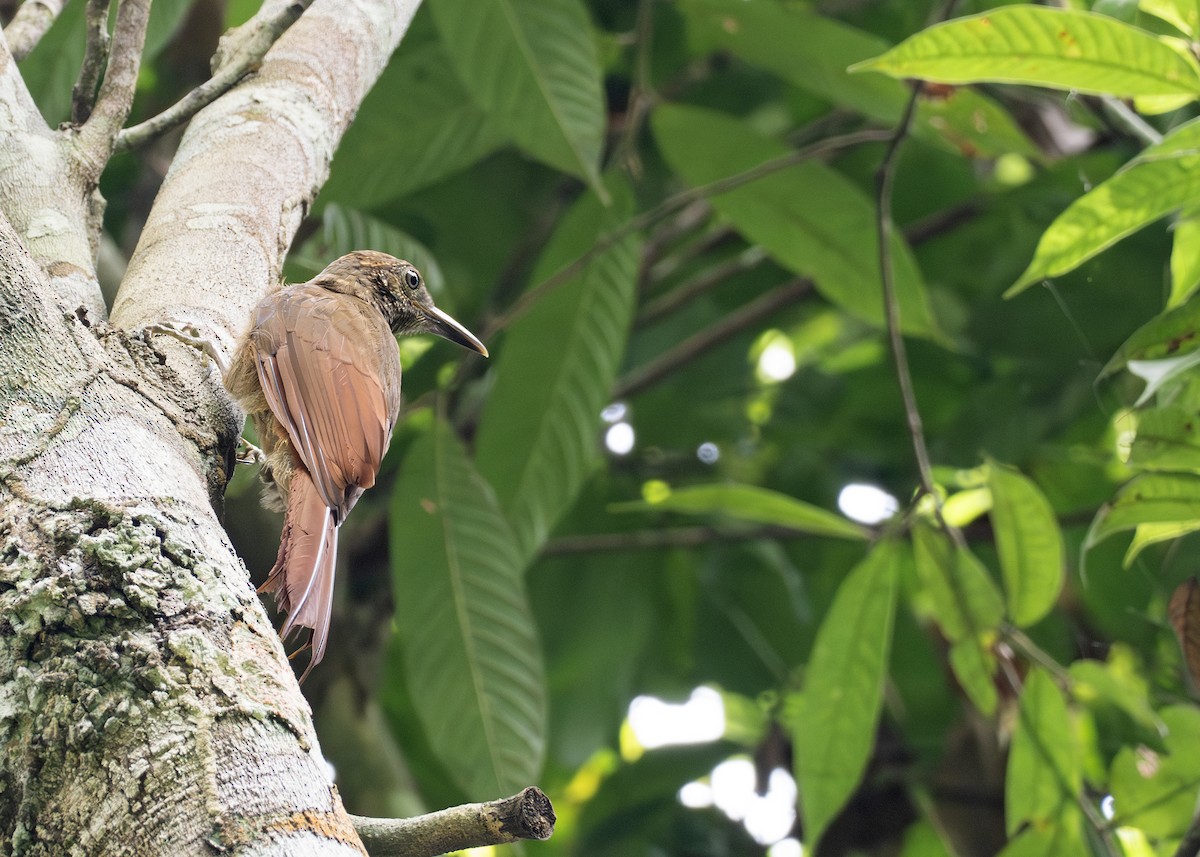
(146, 703)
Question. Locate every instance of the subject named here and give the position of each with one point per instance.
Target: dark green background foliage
(511, 584)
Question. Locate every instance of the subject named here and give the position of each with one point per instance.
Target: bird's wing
(324, 360)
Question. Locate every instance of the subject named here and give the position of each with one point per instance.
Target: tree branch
(527, 815)
(100, 129)
(83, 94)
(31, 21)
(239, 56)
(659, 539)
(668, 302)
(743, 317)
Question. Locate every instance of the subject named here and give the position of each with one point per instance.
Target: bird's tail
(302, 577)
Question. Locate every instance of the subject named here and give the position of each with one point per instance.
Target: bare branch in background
(83, 94)
(527, 815)
(230, 66)
(29, 24)
(99, 132)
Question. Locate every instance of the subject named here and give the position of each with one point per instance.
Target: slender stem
(707, 280)
(246, 56)
(31, 21)
(527, 815)
(83, 94)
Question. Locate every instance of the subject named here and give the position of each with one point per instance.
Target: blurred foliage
(663, 219)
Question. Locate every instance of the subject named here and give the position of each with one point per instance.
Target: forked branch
(29, 24)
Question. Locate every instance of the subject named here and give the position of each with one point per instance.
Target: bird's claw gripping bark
(189, 334)
(248, 453)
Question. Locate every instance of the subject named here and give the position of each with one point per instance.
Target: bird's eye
(412, 278)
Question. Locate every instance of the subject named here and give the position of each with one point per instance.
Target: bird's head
(397, 289)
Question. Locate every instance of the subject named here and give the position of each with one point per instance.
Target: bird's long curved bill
(443, 325)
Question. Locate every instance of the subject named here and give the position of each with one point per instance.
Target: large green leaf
(813, 51)
(1168, 438)
(1043, 777)
(1182, 14)
(1060, 48)
(417, 125)
(1029, 543)
(1165, 177)
(1168, 335)
(834, 730)
(1170, 502)
(532, 65)
(1157, 792)
(471, 652)
(538, 435)
(1185, 257)
(965, 600)
(809, 217)
(753, 504)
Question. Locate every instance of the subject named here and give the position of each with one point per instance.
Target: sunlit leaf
(1182, 14)
(1043, 764)
(808, 217)
(538, 435)
(416, 126)
(1185, 257)
(471, 653)
(1061, 839)
(813, 51)
(1157, 792)
(1184, 613)
(1167, 335)
(1115, 683)
(753, 504)
(1060, 48)
(1168, 438)
(1151, 498)
(532, 65)
(843, 690)
(965, 600)
(1029, 543)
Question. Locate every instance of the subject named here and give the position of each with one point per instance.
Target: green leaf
(965, 600)
(974, 667)
(812, 52)
(1157, 792)
(532, 65)
(345, 229)
(538, 435)
(1059, 48)
(1135, 197)
(1184, 15)
(1029, 543)
(1168, 438)
(753, 504)
(1043, 765)
(1118, 682)
(1151, 498)
(1167, 335)
(843, 689)
(1061, 839)
(809, 217)
(1185, 257)
(470, 648)
(417, 126)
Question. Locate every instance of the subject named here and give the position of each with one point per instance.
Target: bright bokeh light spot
(696, 795)
(866, 503)
(708, 452)
(777, 361)
(1107, 807)
(786, 848)
(656, 723)
(619, 438)
(614, 413)
(768, 818)
(481, 851)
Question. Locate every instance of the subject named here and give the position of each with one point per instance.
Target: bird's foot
(248, 453)
(189, 334)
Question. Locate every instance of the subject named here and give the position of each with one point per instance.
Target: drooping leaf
(834, 731)
(538, 435)
(532, 65)
(1060, 48)
(1157, 792)
(813, 51)
(1168, 438)
(1185, 257)
(416, 126)
(974, 666)
(808, 217)
(1044, 763)
(345, 229)
(753, 504)
(1169, 334)
(1162, 499)
(966, 602)
(1029, 543)
(1184, 613)
(471, 653)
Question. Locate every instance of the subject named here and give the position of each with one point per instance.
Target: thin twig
(744, 317)
(83, 94)
(527, 815)
(673, 204)
(31, 21)
(712, 277)
(99, 131)
(245, 57)
(1123, 115)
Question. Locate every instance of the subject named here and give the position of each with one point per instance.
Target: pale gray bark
(146, 704)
